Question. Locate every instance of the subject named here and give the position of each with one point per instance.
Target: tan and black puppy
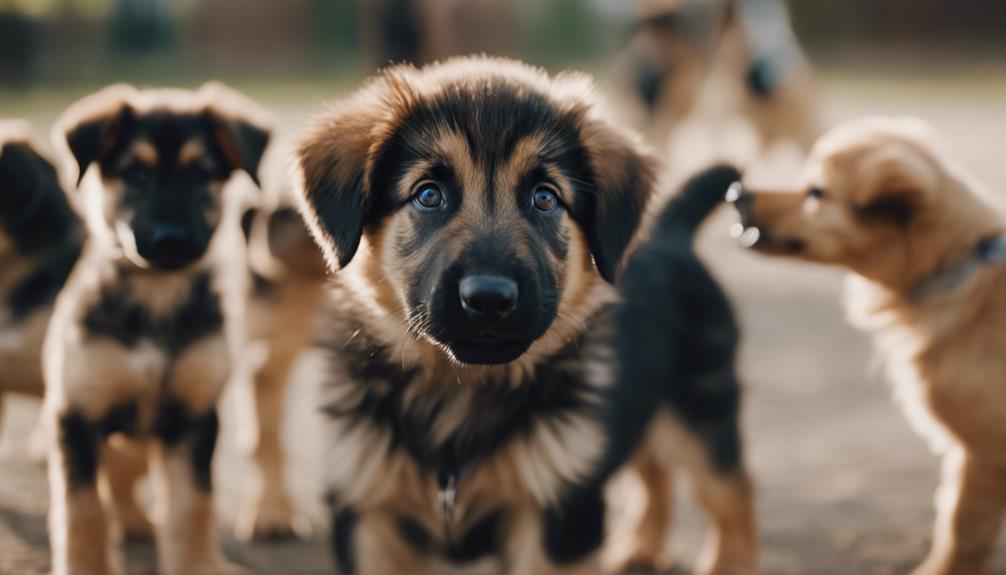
(150, 325)
(40, 239)
(478, 212)
(927, 252)
(747, 45)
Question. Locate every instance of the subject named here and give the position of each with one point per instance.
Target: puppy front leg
(970, 505)
(78, 529)
(561, 541)
(180, 470)
(266, 510)
(370, 543)
(124, 463)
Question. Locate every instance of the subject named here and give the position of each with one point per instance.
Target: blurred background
(844, 486)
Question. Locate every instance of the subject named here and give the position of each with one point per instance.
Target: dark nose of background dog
(169, 241)
(488, 297)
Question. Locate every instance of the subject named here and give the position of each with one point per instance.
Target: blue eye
(544, 199)
(429, 196)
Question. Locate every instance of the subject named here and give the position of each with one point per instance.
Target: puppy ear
(240, 128)
(90, 128)
(895, 182)
(624, 178)
(331, 164)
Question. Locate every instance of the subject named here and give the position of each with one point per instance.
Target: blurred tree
(141, 25)
(20, 39)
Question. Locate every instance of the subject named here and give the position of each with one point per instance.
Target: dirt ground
(844, 486)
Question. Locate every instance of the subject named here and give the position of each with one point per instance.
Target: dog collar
(989, 250)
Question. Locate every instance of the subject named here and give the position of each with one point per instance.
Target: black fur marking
(480, 540)
(205, 431)
(175, 425)
(343, 525)
(649, 80)
(80, 444)
(173, 421)
(121, 418)
(763, 77)
(119, 316)
(35, 215)
(677, 336)
(39, 287)
(497, 415)
(574, 529)
(415, 534)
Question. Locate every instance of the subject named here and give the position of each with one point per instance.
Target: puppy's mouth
(488, 349)
(758, 238)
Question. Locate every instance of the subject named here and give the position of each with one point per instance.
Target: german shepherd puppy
(926, 248)
(478, 212)
(150, 324)
(40, 239)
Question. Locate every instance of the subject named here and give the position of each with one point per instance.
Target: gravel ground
(845, 488)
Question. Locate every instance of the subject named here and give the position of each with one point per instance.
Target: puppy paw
(642, 561)
(135, 528)
(272, 519)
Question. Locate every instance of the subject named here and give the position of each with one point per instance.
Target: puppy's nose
(170, 240)
(740, 198)
(488, 297)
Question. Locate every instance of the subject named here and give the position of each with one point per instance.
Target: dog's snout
(170, 240)
(739, 196)
(488, 297)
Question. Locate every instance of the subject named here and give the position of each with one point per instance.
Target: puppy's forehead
(161, 136)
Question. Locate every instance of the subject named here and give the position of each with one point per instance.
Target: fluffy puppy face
(26, 178)
(876, 198)
(481, 189)
(163, 157)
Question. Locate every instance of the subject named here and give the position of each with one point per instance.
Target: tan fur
(942, 350)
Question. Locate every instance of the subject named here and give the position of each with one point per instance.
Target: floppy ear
(624, 177)
(240, 128)
(895, 182)
(91, 127)
(331, 163)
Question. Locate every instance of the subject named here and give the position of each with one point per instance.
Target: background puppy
(747, 47)
(926, 250)
(288, 275)
(676, 348)
(479, 211)
(150, 324)
(40, 239)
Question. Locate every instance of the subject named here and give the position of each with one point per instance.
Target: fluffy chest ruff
(406, 437)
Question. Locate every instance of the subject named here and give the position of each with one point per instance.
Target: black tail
(698, 198)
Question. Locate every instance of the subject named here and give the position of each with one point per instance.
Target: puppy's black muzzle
(171, 246)
(489, 307)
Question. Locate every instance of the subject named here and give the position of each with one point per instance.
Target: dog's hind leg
(123, 465)
(646, 548)
(78, 528)
(723, 488)
(266, 510)
(970, 507)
